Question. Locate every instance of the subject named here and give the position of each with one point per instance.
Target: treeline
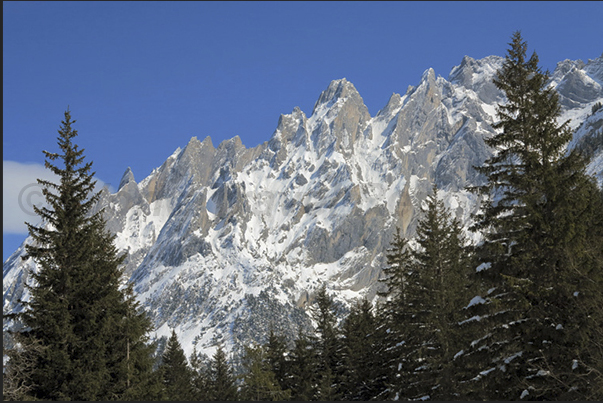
(516, 315)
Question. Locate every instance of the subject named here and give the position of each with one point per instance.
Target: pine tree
(177, 377)
(222, 385)
(540, 265)
(90, 335)
(259, 381)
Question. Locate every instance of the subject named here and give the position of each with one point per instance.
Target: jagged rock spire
(337, 89)
(126, 177)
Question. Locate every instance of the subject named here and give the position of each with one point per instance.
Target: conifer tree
(438, 284)
(276, 355)
(199, 377)
(425, 291)
(396, 274)
(328, 344)
(222, 385)
(363, 372)
(176, 373)
(259, 381)
(538, 260)
(303, 367)
(134, 374)
(90, 335)
(395, 314)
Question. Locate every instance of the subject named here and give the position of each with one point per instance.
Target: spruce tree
(222, 385)
(259, 381)
(396, 274)
(199, 376)
(426, 286)
(363, 372)
(394, 314)
(538, 260)
(438, 287)
(176, 373)
(303, 364)
(134, 374)
(89, 333)
(328, 344)
(276, 355)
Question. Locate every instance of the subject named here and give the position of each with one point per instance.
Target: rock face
(224, 243)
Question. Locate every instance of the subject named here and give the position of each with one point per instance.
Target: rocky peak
(567, 65)
(428, 93)
(288, 125)
(229, 150)
(193, 164)
(594, 68)
(338, 118)
(477, 75)
(231, 146)
(394, 103)
(207, 143)
(288, 120)
(428, 76)
(297, 113)
(127, 177)
(578, 83)
(190, 152)
(337, 90)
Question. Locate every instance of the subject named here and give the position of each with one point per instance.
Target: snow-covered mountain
(224, 243)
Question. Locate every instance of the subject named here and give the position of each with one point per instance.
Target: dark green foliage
(259, 381)
(199, 376)
(396, 274)
(90, 337)
(303, 366)
(328, 386)
(426, 290)
(276, 356)
(221, 380)
(439, 281)
(176, 373)
(328, 345)
(538, 222)
(395, 314)
(135, 372)
(363, 372)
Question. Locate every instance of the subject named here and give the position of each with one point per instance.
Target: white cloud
(21, 191)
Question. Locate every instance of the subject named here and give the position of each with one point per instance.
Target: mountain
(225, 242)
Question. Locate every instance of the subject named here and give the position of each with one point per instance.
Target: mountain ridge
(224, 242)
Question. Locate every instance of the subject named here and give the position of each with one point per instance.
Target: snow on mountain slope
(224, 243)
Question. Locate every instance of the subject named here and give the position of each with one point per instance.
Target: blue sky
(142, 78)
